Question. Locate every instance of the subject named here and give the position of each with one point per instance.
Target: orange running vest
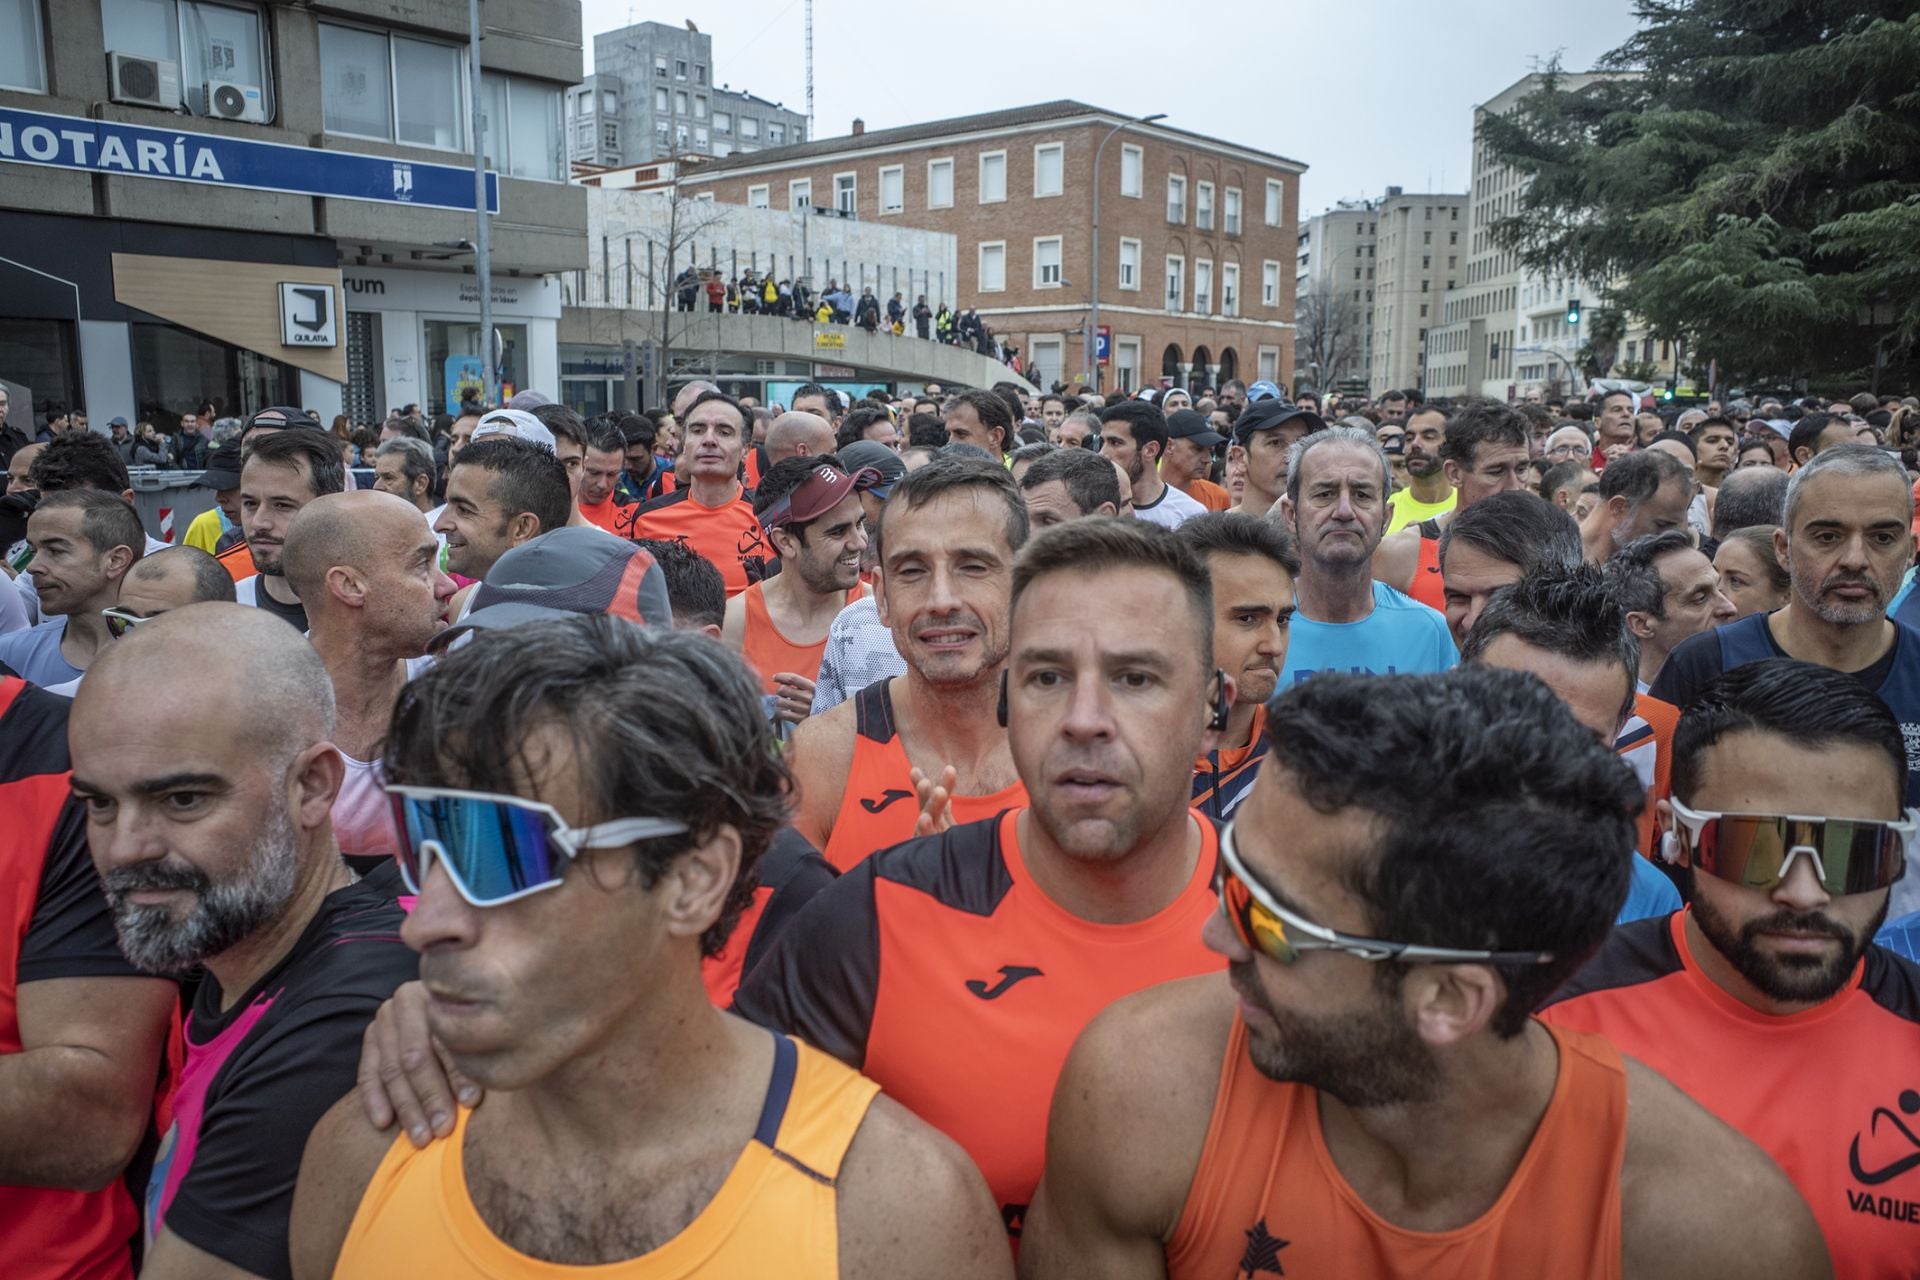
(879, 806)
(1426, 586)
(768, 651)
(1267, 1198)
(775, 1215)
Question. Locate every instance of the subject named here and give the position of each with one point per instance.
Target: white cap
(517, 424)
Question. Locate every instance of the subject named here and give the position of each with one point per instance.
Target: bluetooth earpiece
(1669, 848)
(1222, 704)
(1001, 713)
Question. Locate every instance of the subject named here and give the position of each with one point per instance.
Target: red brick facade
(1048, 322)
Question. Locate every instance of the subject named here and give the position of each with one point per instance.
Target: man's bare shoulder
(343, 1151)
(1397, 557)
(1700, 1202)
(912, 1205)
(820, 754)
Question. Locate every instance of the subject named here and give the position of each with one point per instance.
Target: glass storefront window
(455, 364)
(40, 356)
(175, 370)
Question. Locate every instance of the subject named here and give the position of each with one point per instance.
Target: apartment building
(1197, 234)
(1334, 281)
(655, 93)
(182, 183)
(1420, 247)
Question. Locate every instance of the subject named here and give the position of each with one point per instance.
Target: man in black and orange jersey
(569, 432)
(216, 852)
(1366, 1091)
(81, 1029)
(1485, 452)
(714, 1149)
(814, 521)
(600, 471)
(957, 968)
(710, 511)
(947, 539)
(1769, 985)
(1252, 564)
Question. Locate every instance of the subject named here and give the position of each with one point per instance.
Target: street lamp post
(482, 258)
(1093, 274)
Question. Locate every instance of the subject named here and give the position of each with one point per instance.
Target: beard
(1422, 466)
(1368, 1059)
(223, 913)
(1788, 978)
(1842, 612)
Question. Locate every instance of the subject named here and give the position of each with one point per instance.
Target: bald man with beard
(368, 569)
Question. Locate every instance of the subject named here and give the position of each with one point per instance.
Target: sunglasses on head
(496, 848)
(1849, 855)
(119, 621)
(1270, 929)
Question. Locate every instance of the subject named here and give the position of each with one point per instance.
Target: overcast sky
(1367, 93)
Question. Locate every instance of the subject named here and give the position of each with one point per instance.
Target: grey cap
(575, 569)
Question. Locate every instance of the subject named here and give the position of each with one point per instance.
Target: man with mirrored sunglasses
(1767, 1000)
(1366, 1091)
(584, 806)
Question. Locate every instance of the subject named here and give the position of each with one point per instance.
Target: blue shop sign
(177, 155)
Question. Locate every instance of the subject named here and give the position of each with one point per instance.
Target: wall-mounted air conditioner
(228, 100)
(144, 82)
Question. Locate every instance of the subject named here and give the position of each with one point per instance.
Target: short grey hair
(416, 457)
(1336, 435)
(225, 429)
(1846, 460)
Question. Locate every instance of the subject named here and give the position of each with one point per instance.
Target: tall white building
(1334, 282)
(1420, 256)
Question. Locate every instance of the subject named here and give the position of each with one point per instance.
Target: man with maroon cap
(812, 514)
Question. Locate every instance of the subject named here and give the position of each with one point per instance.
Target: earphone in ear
(1222, 705)
(1001, 713)
(1669, 847)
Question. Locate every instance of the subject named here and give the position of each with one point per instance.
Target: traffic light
(1667, 393)
(1573, 311)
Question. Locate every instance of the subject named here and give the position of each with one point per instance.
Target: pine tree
(1749, 177)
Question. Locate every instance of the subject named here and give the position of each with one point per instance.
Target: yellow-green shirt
(1404, 509)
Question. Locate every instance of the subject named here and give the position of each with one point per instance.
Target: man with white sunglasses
(1767, 1001)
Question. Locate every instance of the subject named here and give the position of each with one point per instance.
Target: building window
(699, 108)
(893, 189)
(700, 136)
(1126, 363)
(800, 193)
(680, 101)
(758, 196)
(213, 44)
(1269, 284)
(699, 73)
(1274, 202)
(1203, 208)
(522, 119)
(723, 122)
(993, 177)
(749, 127)
(660, 66)
(609, 103)
(1266, 363)
(993, 267)
(1203, 286)
(660, 132)
(1129, 264)
(659, 99)
(356, 83)
(1049, 169)
(679, 70)
(23, 58)
(1230, 212)
(610, 136)
(1176, 198)
(680, 136)
(1046, 262)
(1132, 167)
(1176, 283)
(1229, 288)
(776, 133)
(846, 193)
(940, 184)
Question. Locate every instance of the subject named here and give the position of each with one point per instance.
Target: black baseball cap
(1266, 415)
(1188, 424)
(279, 415)
(223, 467)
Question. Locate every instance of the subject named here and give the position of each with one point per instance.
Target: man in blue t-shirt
(1846, 541)
(1336, 503)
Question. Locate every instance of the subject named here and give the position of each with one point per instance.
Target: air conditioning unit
(227, 100)
(144, 82)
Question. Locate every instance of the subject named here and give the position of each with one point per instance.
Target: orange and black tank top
(775, 1215)
(767, 649)
(879, 807)
(1426, 586)
(1267, 1197)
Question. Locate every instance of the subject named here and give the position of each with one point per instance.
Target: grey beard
(223, 913)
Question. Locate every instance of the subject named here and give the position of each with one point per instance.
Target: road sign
(829, 340)
(1103, 344)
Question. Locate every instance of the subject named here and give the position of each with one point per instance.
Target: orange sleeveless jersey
(237, 560)
(769, 652)
(775, 1215)
(944, 972)
(1831, 1093)
(1268, 1199)
(879, 806)
(1426, 586)
(729, 535)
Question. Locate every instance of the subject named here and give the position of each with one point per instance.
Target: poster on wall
(466, 379)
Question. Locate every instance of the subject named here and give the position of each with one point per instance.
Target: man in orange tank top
(710, 510)
(1485, 453)
(815, 521)
(865, 769)
(956, 969)
(1366, 1092)
(569, 881)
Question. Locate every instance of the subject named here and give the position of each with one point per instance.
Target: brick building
(1197, 236)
